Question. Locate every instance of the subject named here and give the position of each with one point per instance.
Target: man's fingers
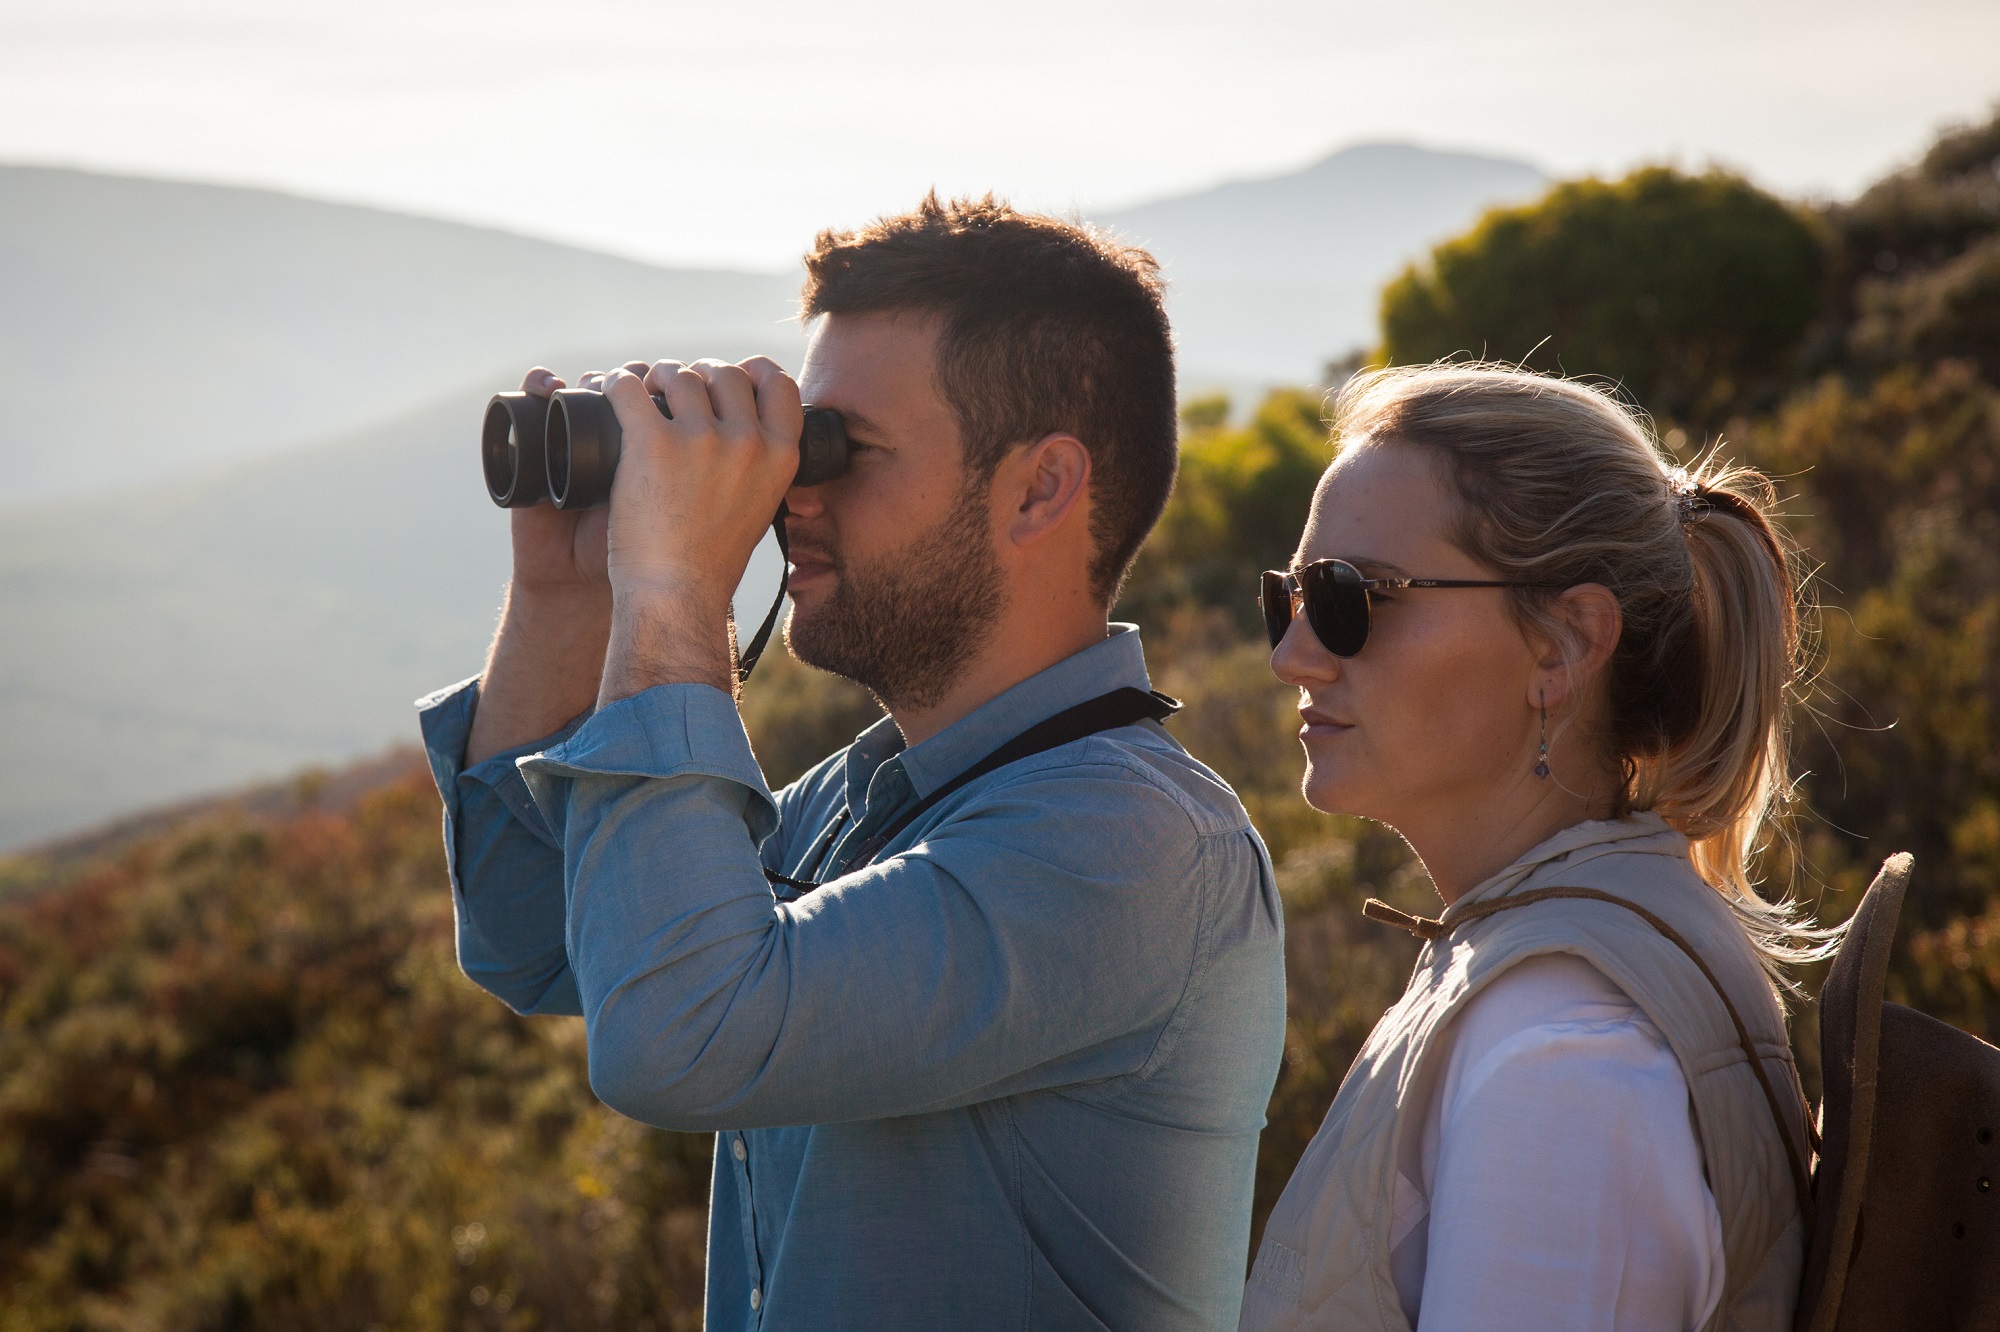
(731, 395)
(541, 381)
(658, 373)
(685, 391)
(779, 413)
(628, 395)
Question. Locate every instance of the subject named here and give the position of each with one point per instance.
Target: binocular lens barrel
(511, 449)
(565, 448)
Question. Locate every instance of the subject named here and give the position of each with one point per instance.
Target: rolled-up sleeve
(505, 862)
(987, 959)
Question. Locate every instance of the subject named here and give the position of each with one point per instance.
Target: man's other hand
(547, 660)
(560, 554)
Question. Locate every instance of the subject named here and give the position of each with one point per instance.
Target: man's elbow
(636, 1094)
(540, 989)
(642, 1080)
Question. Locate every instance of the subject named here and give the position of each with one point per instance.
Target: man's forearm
(670, 634)
(543, 669)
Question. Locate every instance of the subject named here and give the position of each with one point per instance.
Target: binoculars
(565, 448)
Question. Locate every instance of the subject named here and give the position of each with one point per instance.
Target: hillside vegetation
(242, 1084)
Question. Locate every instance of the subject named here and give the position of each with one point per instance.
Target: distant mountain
(199, 634)
(1272, 278)
(153, 328)
(232, 605)
(157, 328)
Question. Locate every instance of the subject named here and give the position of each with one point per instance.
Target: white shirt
(1554, 1181)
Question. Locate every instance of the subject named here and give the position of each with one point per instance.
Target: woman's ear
(1591, 622)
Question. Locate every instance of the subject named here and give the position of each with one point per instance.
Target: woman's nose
(1300, 659)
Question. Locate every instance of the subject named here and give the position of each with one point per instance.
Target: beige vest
(1324, 1260)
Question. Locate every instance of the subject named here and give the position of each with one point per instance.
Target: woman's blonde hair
(1560, 483)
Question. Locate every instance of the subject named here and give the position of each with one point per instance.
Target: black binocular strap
(1106, 712)
(746, 658)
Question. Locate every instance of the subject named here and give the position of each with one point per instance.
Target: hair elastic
(1687, 499)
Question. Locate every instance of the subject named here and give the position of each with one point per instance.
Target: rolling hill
(1272, 278)
(221, 560)
(157, 328)
(180, 639)
(270, 616)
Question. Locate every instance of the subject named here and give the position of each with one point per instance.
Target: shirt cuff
(446, 718)
(668, 731)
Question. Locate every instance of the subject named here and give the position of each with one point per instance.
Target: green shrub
(1691, 292)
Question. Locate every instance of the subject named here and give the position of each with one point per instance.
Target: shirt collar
(1117, 662)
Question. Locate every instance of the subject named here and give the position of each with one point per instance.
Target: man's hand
(692, 498)
(548, 656)
(556, 552)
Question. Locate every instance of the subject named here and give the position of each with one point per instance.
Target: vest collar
(1635, 834)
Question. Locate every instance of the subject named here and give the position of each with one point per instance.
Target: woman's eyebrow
(1368, 564)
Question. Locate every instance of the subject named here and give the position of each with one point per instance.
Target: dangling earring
(1542, 760)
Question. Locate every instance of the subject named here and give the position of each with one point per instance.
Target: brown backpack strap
(1428, 929)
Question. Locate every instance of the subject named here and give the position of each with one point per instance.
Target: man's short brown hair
(1045, 326)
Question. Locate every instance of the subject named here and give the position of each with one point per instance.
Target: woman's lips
(1318, 725)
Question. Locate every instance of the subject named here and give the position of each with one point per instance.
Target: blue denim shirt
(1009, 1075)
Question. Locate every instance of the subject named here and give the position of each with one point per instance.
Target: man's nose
(805, 501)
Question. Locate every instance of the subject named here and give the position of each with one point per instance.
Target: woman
(1550, 660)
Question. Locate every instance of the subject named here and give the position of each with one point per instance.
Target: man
(1003, 1063)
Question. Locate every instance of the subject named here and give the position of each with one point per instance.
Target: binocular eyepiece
(565, 448)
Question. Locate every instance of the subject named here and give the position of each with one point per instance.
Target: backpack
(1902, 1206)
(1906, 1217)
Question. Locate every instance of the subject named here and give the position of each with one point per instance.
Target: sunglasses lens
(1336, 606)
(1276, 600)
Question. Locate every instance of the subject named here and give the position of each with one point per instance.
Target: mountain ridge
(222, 618)
(313, 318)
(293, 320)
(1240, 317)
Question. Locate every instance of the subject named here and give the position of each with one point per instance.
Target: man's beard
(903, 626)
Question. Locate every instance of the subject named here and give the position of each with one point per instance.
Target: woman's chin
(1330, 790)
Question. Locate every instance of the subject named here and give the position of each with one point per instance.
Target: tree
(1693, 292)
(1918, 259)
(1238, 506)
(1924, 215)
(1898, 505)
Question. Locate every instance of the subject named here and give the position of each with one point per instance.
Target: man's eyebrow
(858, 423)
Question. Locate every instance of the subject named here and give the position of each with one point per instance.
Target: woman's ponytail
(1723, 776)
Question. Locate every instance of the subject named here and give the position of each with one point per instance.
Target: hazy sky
(726, 133)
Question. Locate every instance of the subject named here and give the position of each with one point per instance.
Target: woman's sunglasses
(1335, 598)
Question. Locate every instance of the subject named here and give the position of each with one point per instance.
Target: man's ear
(1047, 481)
(1592, 623)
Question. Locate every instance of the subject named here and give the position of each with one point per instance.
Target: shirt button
(741, 1152)
(756, 1297)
